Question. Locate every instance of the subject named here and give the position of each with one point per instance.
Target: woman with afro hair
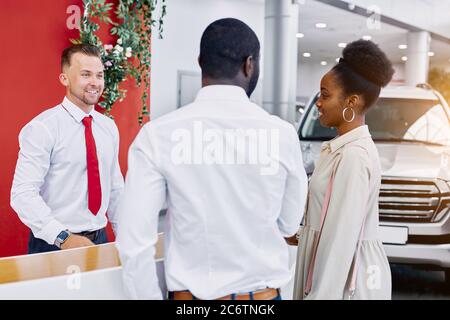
(340, 255)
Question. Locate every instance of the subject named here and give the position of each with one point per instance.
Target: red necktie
(94, 187)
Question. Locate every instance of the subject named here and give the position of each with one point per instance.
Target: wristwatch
(62, 237)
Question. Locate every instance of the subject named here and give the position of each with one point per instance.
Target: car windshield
(392, 119)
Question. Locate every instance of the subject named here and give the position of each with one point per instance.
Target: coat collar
(353, 135)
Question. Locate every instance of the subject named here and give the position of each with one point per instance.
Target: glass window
(392, 119)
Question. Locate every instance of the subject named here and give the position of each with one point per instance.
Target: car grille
(410, 200)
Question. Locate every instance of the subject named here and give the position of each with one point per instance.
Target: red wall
(33, 34)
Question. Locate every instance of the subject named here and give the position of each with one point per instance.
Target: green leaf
(134, 28)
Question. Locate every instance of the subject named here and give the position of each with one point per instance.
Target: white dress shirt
(226, 218)
(50, 190)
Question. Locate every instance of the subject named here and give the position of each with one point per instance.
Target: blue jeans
(36, 245)
(278, 297)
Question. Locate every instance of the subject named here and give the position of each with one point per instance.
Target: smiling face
(84, 80)
(331, 101)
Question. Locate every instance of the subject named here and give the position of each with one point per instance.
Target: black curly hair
(363, 69)
(224, 46)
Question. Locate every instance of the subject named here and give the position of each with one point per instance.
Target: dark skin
(331, 103)
(243, 80)
(292, 241)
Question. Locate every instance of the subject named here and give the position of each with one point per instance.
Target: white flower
(108, 47)
(128, 52)
(118, 48)
(119, 41)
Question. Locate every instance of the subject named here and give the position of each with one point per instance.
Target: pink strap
(316, 240)
(355, 266)
(352, 287)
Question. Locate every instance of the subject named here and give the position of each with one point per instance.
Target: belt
(91, 235)
(265, 294)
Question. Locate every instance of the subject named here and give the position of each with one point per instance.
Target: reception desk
(83, 273)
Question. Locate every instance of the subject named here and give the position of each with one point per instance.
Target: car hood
(407, 160)
(413, 160)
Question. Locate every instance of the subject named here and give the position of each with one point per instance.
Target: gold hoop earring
(353, 114)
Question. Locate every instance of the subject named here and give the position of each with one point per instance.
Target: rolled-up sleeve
(33, 163)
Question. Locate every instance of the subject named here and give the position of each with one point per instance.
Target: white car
(411, 129)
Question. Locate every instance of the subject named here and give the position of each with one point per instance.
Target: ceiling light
(307, 54)
(323, 63)
(342, 45)
(321, 25)
(404, 58)
(431, 54)
(403, 47)
(367, 38)
(300, 35)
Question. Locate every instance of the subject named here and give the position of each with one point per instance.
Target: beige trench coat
(355, 195)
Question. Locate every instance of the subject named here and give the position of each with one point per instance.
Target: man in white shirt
(232, 177)
(67, 175)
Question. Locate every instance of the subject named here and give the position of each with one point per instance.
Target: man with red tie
(67, 177)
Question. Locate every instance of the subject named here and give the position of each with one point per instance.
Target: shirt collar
(76, 112)
(222, 92)
(353, 135)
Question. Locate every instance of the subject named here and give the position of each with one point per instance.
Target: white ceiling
(432, 15)
(344, 26)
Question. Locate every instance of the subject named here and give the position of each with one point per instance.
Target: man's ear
(249, 66)
(63, 79)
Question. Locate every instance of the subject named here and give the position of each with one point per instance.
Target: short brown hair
(86, 49)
